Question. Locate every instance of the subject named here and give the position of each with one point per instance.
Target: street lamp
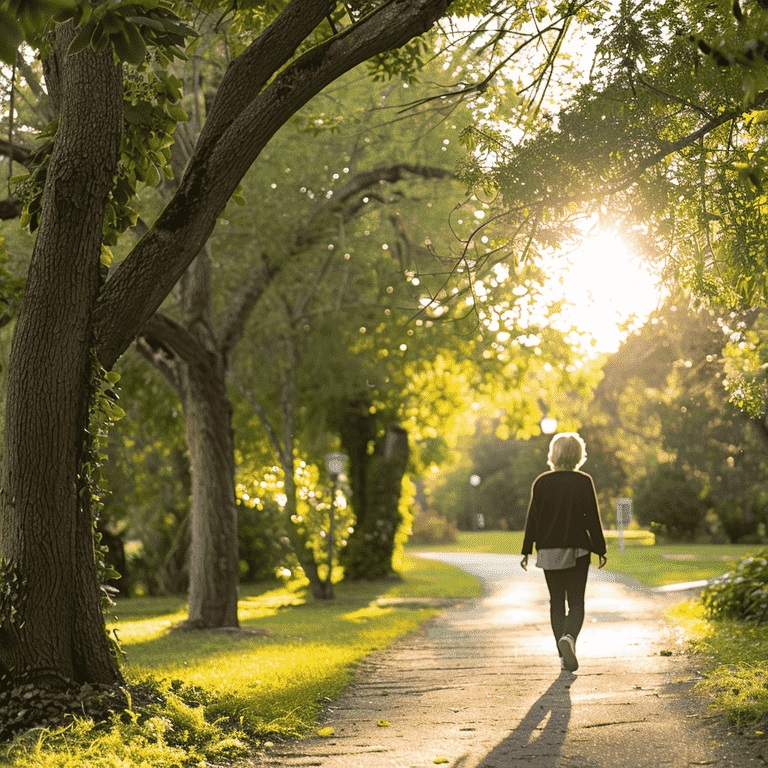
(334, 464)
(478, 521)
(548, 425)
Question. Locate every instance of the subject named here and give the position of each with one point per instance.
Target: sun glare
(606, 288)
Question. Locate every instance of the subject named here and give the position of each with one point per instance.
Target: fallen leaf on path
(383, 723)
(324, 733)
(439, 760)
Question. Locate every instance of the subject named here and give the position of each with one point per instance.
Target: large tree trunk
(57, 635)
(192, 358)
(213, 562)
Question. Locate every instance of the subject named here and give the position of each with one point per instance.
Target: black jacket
(563, 513)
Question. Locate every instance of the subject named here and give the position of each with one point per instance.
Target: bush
(669, 500)
(432, 528)
(741, 593)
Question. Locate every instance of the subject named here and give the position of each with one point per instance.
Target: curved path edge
(480, 686)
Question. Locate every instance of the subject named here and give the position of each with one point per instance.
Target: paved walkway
(481, 687)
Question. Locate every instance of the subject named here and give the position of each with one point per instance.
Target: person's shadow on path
(542, 749)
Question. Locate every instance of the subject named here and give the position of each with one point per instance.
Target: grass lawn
(293, 655)
(654, 565)
(267, 681)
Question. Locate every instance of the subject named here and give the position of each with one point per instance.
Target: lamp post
(477, 520)
(334, 464)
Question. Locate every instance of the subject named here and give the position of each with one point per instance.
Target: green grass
(733, 656)
(654, 565)
(269, 680)
(293, 655)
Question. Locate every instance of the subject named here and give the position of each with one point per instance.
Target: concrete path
(481, 687)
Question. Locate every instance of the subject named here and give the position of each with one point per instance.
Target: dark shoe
(567, 647)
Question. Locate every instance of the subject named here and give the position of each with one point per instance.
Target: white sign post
(623, 518)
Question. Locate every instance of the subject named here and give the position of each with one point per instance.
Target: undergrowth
(733, 659)
(165, 724)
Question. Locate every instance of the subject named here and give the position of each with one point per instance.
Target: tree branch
(274, 438)
(18, 154)
(233, 323)
(241, 306)
(161, 330)
(162, 359)
(148, 274)
(10, 208)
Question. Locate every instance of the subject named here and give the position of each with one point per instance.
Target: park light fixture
(548, 425)
(334, 464)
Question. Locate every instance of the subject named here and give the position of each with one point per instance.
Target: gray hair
(567, 450)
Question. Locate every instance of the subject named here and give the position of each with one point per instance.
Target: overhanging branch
(150, 271)
(344, 205)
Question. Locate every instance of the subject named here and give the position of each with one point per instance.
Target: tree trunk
(213, 562)
(57, 636)
(198, 371)
(370, 548)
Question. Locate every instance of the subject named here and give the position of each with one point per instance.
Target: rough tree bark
(45, 518)
(46, 525)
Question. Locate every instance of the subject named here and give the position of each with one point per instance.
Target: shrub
(432, 528)
(668, 499)
(741, 593)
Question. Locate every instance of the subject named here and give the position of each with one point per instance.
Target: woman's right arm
(530, 524)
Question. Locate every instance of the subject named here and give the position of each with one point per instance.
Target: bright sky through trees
(606, 288)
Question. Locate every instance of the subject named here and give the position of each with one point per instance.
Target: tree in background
(665, 408)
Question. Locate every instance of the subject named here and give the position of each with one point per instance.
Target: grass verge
(654, 565)
(222, 692)
(733, 657)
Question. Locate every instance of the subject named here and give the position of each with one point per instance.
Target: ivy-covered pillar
(369, 552)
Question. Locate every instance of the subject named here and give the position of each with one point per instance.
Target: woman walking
(564, 523)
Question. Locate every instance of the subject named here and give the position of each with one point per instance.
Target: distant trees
(671, 422)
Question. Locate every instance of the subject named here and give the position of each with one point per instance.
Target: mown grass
(733, 656)
(654, 565)
(235, 689)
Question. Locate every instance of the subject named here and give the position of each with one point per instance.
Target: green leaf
(130, 45)
(177, 113)
(112, 377)
(145, 21)
(151, 176)
(82, 39)
(10, 37)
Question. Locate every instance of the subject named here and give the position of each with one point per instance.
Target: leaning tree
(73, 324)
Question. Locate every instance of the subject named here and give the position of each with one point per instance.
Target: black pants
(568, 585)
